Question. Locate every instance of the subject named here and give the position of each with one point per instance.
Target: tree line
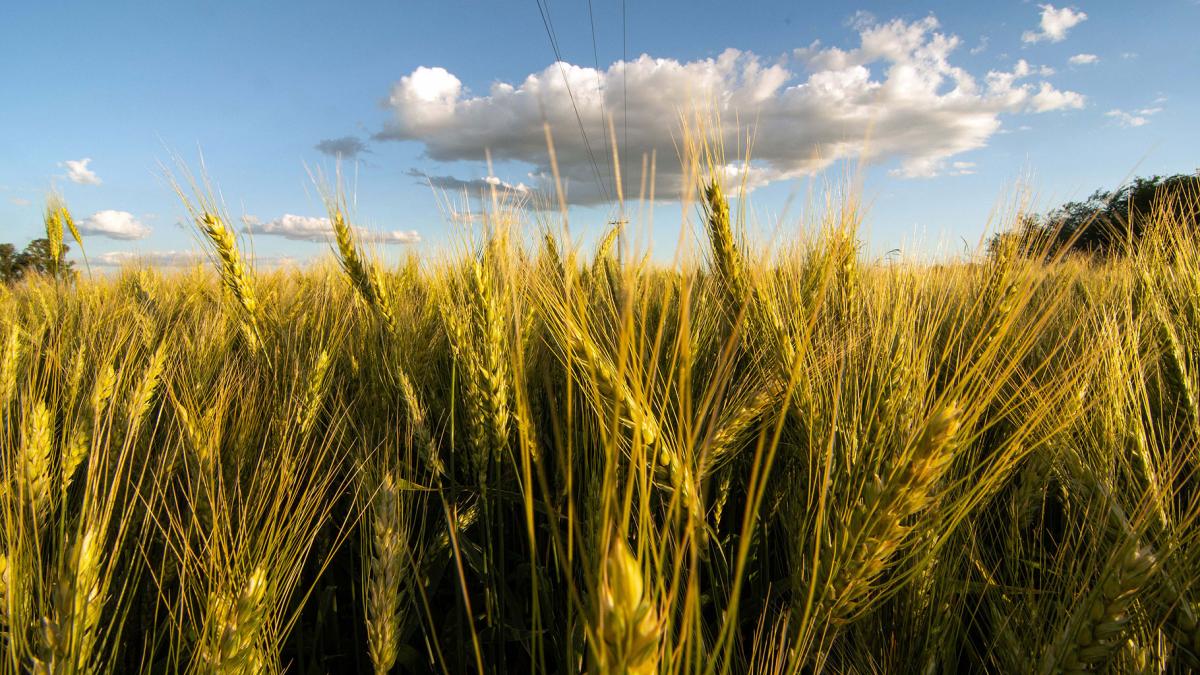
(1109, 222)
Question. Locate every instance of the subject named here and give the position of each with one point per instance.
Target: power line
(549, 26)
(624, 90)
(601, 90)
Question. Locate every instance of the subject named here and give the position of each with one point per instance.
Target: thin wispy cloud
(1054, 24)
(78, 171)
(153, 258)
(1083, 59)
(472, 186)
(1135, 118)
(310, 228)
(19, 201)
(899, 87)
(114, 225)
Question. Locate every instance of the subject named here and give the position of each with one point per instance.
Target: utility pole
(620, 224)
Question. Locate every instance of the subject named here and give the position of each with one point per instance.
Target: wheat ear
(54, 234)
(235, 275)
(419, 419)
(143, 396)
(493, 370)
(1102, 623)
(630, 626)
(238, 621)
(10, 366)
(388, 585)
(36, 444)
(876, 529)
(314, 393)
(69, 635)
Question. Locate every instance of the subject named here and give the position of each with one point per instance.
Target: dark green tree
(35, 259)
(10, 270)
(1110, 222)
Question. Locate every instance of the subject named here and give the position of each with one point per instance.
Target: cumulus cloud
(346, 147)
(1083, 59)
(78, 171)
(1136, 118)
(898, 88)
(309, 228)
(1048, 98)
(114, 225)
(1054, 24)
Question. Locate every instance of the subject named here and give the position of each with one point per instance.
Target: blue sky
(961, 100)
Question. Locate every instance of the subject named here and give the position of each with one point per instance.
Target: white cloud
(309, 228)
(78, 171)
(1135, 118)
(1083, 59)
(981, 47)
(1048, 98)
(899, 89)
(1054, 24)
(19, 201)
(114, 225)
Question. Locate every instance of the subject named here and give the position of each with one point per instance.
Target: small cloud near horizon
(309, 228)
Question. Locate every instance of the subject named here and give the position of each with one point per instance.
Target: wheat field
(532, 457)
